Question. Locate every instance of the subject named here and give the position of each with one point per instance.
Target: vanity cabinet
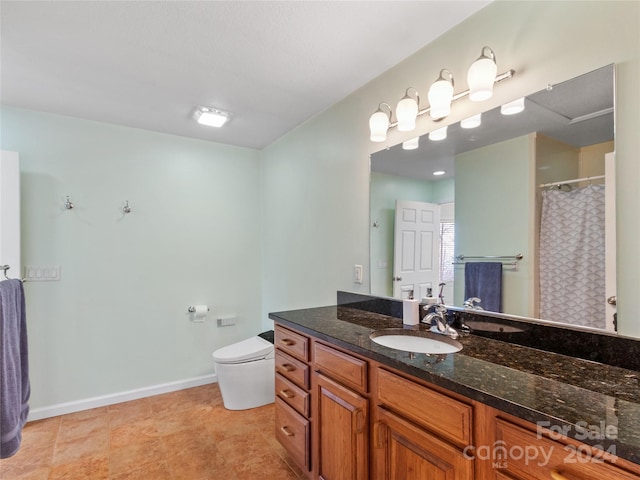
(342, 416)
(292, 403)
(402, 450)
(522, 453)
(342, 432)
(419, 432)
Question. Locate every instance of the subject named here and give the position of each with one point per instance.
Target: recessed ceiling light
(211, 117)
(437, 173)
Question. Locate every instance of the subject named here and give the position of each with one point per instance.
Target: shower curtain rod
(576, 180)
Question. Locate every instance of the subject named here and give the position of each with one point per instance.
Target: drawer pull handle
(287, 393)
(288, 342)
(556, 475)
(286, 431)
(287, 367)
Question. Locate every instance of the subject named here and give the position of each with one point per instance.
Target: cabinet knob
(286, 431)
(288, 342)
(288, 368)
(287, 393)
(556, 475)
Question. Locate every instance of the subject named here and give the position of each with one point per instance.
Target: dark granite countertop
(592, 402)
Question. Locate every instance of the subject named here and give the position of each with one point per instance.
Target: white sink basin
(415, 341)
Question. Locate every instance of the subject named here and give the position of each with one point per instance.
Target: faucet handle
(471, 303)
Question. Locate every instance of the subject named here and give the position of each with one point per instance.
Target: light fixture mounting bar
(458, 96)
(499, 78)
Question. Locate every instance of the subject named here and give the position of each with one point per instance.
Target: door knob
(396, 279)
(612, 300)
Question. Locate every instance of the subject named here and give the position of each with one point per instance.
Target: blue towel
(14, 367)
(484, 280)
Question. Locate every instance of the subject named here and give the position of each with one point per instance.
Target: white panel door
(10, 213)
(416, 249)
(610, 239)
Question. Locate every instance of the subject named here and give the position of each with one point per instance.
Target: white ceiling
(148, 64)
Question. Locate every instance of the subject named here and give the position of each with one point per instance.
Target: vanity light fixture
(441, 95)
(472, 122)
(513, 107)
(211, 117)
(379, 123)
(407, 111)
(411, 144)
(439, 134)
(481, 78)
(482, 75)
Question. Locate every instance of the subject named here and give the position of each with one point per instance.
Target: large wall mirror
(532, 191)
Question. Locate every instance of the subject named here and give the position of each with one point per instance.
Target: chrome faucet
(437, 318)
(471, 303)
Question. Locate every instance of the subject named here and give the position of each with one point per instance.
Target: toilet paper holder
(192, 309)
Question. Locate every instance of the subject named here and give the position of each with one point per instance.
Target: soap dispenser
(411, 310)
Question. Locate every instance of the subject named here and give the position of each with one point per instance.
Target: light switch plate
(34, 273)
(357, 273)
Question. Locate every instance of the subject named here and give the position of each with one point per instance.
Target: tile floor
(184, 435)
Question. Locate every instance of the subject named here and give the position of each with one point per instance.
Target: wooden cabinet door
(343, 436)
(404, 451)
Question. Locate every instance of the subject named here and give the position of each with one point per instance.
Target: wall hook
(68, 204)
(126, 208)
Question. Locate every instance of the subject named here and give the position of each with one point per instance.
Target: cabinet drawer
(434, 411)
(292, 395)
(348, 370)
(291, 342)
(528, 455)
(293, 433)
(293, 369)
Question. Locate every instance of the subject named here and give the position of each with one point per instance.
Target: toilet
(245, 373)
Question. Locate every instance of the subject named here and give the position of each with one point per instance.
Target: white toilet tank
(245, 372)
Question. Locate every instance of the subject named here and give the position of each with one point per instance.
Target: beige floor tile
(71, 450)
(154, 471)
(77, 427)
(133, 432)
(128, 412)
(39, 473)
(134, 456)
(185, 435)
(94, 467)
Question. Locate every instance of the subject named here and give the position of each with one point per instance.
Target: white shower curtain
(572, 256)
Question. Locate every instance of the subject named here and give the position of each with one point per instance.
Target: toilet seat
(251, 349)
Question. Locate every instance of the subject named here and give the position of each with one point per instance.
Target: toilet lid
(253, 348)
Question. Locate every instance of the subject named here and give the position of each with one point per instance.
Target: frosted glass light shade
(481, 76)
(472, 122)
(411, 144)
(406, 113)
(439, 134)
(512, 108)
(211, 117)
(440, 96)
(378, 126)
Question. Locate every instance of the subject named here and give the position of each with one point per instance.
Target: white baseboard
(95, 402)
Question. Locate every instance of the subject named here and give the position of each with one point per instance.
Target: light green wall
(493, 204)
(118, 318)
(319, 171)
(281, 228)
(385, 190)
